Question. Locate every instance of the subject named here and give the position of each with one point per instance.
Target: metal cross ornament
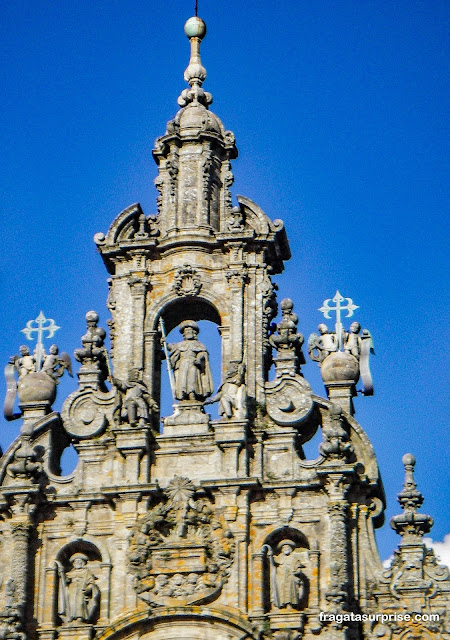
(40, 325)
(349, 307)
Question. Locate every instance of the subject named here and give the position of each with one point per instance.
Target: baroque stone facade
(204, 529)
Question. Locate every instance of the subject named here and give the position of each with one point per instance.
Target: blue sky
(339, 114)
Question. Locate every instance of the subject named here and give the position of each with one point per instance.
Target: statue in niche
(287, 581)
(232, 394)
(55, 363)
(189, 361)
(78, 596)
(319, 347)
(134, 403)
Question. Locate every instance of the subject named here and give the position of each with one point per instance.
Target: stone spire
(193, 157)
(411, 525)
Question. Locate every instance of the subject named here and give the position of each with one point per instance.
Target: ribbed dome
(196, 118)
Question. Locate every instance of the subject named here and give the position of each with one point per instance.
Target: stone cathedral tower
(184, 526)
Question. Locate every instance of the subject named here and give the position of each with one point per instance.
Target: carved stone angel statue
(56, 363)
(232, 394)
(287, 581)
(320, 346)
(78, 595)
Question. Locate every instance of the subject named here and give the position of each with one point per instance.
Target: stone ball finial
(91, 316)
(286, 304)
(340, 367)
(408, 460)
(195, 28)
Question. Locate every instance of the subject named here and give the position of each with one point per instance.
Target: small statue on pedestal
(343, 355)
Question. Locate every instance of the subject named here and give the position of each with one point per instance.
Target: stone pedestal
(32, 412)
(341, 392)
(133, 443)
(46, 634)
(231, 437)
(76, 632)
(283, 620)
(188, 418)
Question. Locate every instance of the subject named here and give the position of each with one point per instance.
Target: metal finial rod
(196, 8)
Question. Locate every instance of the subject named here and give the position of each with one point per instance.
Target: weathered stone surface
(185, 526)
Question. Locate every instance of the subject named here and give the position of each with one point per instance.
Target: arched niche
(98, 578)
(275, 537)
(172, 312)
(78, 546)
(184, 623)
(286, 571)
(187, 308)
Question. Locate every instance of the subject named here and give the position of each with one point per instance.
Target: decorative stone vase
(339, 366)
(37, 387)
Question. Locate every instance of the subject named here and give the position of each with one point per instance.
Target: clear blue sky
(339, 114)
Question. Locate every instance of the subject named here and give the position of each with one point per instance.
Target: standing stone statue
(287, 581)
(189, 360)
(79, 596)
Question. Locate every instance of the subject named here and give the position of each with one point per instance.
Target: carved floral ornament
(181, 550)
(187, 281)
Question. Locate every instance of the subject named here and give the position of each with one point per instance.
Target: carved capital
(139, 285)
(237, 276)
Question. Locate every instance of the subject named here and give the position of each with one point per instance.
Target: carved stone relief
(181, 551)
(187, 281)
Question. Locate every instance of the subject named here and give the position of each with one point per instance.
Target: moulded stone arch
(187, 623)
(79, 545)
(274, 537)
(174, 310)
(124, 221)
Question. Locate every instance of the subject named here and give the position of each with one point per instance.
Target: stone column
(21, 531)
(139, 284)
(236, 276)
(152, 366)
(338, 591)
(257, 578)
(314, 592)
